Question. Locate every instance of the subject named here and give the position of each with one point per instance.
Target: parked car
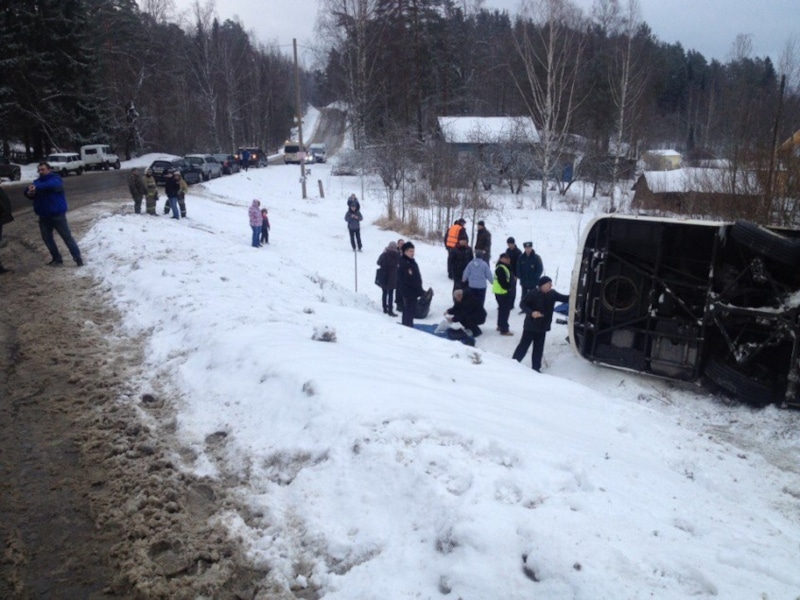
(99, 156)
(318, 152)
(65, 163)
(229, 163)
(258, 157)
(9, 170)
(692, 301)
(210, 167)
(162, 169)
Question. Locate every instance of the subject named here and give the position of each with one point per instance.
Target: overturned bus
(691, 301)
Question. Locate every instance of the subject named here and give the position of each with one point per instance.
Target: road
(80, 189)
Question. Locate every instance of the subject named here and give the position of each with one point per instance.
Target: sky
(389, 463)
(709, 26)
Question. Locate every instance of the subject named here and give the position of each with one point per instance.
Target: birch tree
(627, 79)
(549, 41)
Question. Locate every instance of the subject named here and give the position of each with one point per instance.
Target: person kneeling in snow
(467, 311)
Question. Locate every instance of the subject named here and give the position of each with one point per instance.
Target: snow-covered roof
(663, 153)
(716, 181)
(471, 130)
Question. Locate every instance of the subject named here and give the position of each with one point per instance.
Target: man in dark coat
(388, 262)
(513, 253)
(483, 241)
(529, 269)
(468, 311)
(538, 305)
(353, 217)
(137, 189)
(50, 205)
(409, 284)
(5, 218)
(457, 261)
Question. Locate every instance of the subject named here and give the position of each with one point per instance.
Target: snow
(470, 130)
(390, 463)
(701, 180)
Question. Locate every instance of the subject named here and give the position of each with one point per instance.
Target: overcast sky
(708, 26)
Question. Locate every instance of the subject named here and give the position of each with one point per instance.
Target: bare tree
(549, 41)
(350, 27)
(627, 79)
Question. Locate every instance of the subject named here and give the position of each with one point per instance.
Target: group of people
(175, 188)
(471, 275)
(259, 224)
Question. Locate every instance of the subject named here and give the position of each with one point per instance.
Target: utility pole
(299, 121)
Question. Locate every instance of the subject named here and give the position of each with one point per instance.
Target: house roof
(714, 181)
(473, 130)
(663, 153)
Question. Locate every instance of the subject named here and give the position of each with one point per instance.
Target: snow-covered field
(392, 464)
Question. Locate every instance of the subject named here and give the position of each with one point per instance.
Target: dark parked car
(257, 156)
(9, 170)
(692, 300)
(164, 168)
(229, 163)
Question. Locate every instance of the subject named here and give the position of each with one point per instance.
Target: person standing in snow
(538, 306)
(409, 284)
(457, 261)
(388, 262)
(352, 201)
(264, 226)
(172, 187)
(137, 189)
(50, 205)
(477, 276)
(513, 252)
(483, 241)
(254, 212)
(184, 187)
(151, 193)
(529, 269)
(354, 218)
(502, 286)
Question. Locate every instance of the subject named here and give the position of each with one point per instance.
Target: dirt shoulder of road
(92, 501)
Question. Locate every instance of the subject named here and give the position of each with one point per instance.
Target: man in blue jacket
(50, 205)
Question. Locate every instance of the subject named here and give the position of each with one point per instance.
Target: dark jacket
(172, 187)
(5, 208)
(48, 199)
(353, 201)
(469, 311)
(136, 186)
(514, 256)
(457, 260)
(353, 218)
(529, 269)
(483, 241)
(388, 261)
(544, 303)
(409, 279)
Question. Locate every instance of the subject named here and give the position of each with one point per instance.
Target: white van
(99, 156)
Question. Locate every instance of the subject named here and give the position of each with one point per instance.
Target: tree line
(74, 72)
(84, 71)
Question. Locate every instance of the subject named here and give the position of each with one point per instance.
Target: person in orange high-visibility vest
(455, 233)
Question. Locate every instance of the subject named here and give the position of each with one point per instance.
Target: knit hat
(511, 240)
(544, 279)
(407, 246)
(481, 223)
(392, 245)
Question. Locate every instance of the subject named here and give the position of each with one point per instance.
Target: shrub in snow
(324, 334)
